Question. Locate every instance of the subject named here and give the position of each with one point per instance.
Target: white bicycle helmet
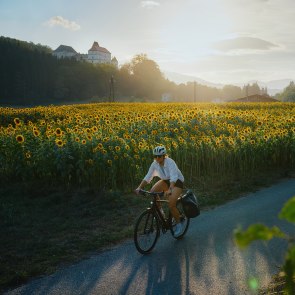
(159, 151)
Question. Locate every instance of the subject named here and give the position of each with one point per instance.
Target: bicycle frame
(165, 224)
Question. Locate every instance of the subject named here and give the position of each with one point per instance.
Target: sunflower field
(109, 145)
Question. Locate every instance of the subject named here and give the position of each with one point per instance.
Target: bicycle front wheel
(146, 232)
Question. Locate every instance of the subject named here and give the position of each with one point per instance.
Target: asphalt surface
(206, 261)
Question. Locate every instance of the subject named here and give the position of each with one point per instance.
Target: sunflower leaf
(288, 211)
(256, 232)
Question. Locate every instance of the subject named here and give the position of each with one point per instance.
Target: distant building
(64, 51)
(96, 54)
(166, 97)
(82, 57)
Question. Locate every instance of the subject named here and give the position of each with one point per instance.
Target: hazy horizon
(227, 41)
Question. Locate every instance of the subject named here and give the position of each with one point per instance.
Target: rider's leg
(172, 203)
(159, 186)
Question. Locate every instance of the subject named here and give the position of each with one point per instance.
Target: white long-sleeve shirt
(169, 171)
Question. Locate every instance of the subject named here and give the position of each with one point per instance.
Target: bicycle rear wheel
(184, 220)
(146, 232)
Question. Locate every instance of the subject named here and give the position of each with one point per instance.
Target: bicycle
(152, 221)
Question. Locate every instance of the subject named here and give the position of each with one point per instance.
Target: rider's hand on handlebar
(137, 190)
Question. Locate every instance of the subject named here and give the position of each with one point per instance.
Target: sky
(221, 41)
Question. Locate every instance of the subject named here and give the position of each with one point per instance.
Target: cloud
(149, 4)
(244, 43)
(65, 23)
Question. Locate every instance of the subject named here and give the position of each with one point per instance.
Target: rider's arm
(171, 186)
(151, 173)
(147, 179)
(142, 185)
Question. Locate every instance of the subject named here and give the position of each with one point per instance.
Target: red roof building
(98, 55)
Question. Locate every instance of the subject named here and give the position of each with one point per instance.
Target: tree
(146, 76)
(230, 92)
(288, 94)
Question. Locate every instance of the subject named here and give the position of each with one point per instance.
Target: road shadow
(205, 261)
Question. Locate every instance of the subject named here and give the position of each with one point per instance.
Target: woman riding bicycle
(171, 182)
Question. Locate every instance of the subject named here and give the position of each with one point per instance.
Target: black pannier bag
(190, 204)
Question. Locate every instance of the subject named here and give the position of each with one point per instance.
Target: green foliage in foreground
(262, 232)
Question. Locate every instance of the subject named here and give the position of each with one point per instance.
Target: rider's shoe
(178, 229)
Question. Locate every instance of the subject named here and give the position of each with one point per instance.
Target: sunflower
(83, 141)
(36, 133)
(20, 138)
(58, 132)
(28, 155)
(17, 121)
(59, 142)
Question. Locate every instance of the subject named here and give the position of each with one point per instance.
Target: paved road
(206, 261)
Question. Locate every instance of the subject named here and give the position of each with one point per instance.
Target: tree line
(288, 95)
(30, 74)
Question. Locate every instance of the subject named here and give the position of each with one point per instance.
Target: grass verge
(42, 229)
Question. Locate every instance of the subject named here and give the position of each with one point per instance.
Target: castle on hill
(96, 54)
